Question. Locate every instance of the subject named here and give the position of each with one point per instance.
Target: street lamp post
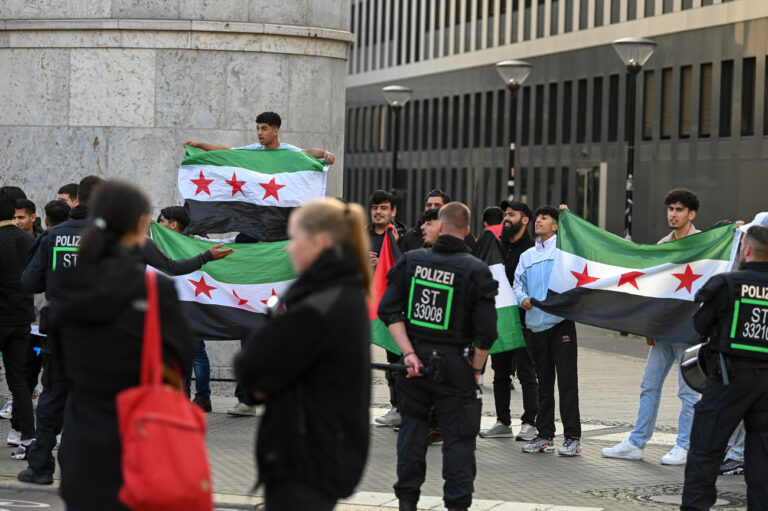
(634, 52)
(514, 73)
(397, 96)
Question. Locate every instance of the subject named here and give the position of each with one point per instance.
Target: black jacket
(444, 295)
(97, 321)
(56, 248)
(414, 239)
(745, 334)
(378, 239)
(16, 306)
(312, 363)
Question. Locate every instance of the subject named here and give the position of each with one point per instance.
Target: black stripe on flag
(261, 223)
(221, 323)
(658, 318)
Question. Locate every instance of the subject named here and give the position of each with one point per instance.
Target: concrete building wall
(114, 87)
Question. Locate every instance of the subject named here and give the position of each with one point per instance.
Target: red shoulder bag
(164, 458)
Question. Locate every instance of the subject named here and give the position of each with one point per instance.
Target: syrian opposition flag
(603, 280)
(226, 299)
(380, 335)
(508, 314)
(251, 192)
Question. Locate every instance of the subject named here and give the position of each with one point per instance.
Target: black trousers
(394, 394)
(555, 353)
(503, 365)
(34, 361)
(717, 414)
(14, 343)
(458, 407)
(50, 418)
(295, 495)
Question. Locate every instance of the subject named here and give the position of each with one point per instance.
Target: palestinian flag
(380, 335)
(603, 280)
(508, 322)
(251, 192)
(226, 299)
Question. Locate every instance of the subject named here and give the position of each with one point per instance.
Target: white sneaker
(391, 418)
(677, 456)
(14, 438)
(242, 410)
(7, 409)
(625, 450)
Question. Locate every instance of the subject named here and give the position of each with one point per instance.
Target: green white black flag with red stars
(603, 280)
(227, 299)
(251, 192)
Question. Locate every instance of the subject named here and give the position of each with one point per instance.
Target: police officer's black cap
(516, 205)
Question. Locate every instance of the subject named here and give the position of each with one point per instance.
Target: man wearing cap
(514, 241)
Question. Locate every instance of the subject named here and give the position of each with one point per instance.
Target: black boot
(29, 476)
(406, 505)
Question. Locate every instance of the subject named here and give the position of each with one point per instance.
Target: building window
(526, 118)
(649, 8)
(489, 118)
(631, 10)
(550, 185)
(501, 112)
(435, 123)
(515, 36)
(599, 10)
(383, 127)
(581, 111)
(705, 100)
(513, 118)
(567, 105)
(406, 115)
(615, 11)
(583, 14)
(538, 116)
(552, 117)
(455, 123)
(540, 19)
(686, 99)
(726, 98)
(765, 99)
(522, 191)
(553, 18)
(466, 121)
(536, 192)
(564, 188)
(666, 103)
(687, 4)
(748, 97)
(667, 6)
(527, 20)
(445, 122)
(478, 112)
(422, 140)
(649, 104)
(597, 109)
(613, 108)
(568, 25)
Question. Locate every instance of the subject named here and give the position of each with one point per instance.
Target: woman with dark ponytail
(310, 364)
(97, 321)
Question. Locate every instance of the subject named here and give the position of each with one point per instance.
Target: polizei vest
(743, 330)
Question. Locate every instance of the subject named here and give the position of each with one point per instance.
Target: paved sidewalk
(610, 368)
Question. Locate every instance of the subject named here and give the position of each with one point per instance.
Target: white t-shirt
(260, 147)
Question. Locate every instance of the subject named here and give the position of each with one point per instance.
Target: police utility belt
(444, 348)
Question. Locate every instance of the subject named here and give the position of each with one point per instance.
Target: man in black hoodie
(514, 241)
(16, 313)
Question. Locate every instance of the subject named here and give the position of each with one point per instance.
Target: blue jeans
(660, 359)
(736, 443)
(202, 368)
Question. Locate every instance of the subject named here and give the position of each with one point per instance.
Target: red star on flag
(237, 186)
(686, 279)
(240, 300)
(630, 278)
(201, 287)
(271, 188)
(584, 278)
(202, 184)
(273, 294)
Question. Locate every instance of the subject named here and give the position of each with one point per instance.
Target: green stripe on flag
(579, 237)
(510, 330)
(266, 162)
(381, 337)
(250, 263)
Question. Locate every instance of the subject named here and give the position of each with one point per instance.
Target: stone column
(114, 87)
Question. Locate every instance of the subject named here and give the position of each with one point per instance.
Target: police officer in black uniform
(734, 314)
(439, 301)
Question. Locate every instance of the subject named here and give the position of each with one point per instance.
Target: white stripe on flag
(292, 188)
(506, 297)
(657, 281)
(242, 296)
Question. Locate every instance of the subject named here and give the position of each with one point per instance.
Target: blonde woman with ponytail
(310, 364)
